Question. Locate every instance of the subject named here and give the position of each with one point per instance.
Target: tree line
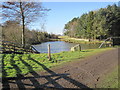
(99, 24)
(25, 13)
(12, 31)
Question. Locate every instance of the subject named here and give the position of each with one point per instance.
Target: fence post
(79, 47)
(49, 54)
(110, 42)
(14, 48)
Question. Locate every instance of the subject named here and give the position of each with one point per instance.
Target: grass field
(77, 40)
(17, 64)
(110, 80)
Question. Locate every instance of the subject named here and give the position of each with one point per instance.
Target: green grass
(110, 80)
(15, 64)
(117, 46)
(74, 40)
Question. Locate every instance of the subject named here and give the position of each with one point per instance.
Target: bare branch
(24, 12)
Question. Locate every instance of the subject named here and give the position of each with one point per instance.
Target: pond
(59, 46)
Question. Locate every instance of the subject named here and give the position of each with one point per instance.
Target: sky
(63, 12)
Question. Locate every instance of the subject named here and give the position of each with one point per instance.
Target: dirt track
(79, 74)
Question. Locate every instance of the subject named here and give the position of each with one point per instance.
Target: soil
(86, 73)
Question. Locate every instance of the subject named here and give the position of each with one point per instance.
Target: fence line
(10, 47)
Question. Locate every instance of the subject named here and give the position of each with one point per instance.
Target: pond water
(59, 46)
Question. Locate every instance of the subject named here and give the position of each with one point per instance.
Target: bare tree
(24, 12)
(11, 31)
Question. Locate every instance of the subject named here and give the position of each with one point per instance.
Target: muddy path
(84, 73)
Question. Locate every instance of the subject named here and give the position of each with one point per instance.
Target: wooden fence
(76, 48)
(114, 41)
(10, 47)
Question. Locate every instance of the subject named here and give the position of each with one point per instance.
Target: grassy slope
(110, 80)
(76, 40)
(15, 64)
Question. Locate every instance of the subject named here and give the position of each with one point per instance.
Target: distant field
(78, 40)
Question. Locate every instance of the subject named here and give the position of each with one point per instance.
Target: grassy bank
(110, 80)
(79, 41)
(15, 64)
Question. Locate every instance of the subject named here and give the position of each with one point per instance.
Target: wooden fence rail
(76, 48)
(10, 47)
(114, 41)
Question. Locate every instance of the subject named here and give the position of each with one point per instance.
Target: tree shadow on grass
(34, 80)
(18, 71)
(4, 73)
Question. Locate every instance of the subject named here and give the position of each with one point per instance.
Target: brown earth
(86, 73)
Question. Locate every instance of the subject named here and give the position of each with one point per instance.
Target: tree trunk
(23, 25)
(23, 35)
